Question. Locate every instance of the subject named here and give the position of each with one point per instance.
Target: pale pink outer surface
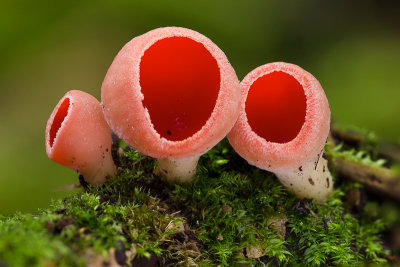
(83, 141)
(305, 146)
(122, 100)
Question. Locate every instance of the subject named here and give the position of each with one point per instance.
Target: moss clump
(234, 213)
(25, 241)
(359, 156)
(237, 209)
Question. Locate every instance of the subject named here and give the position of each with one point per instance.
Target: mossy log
(233, 214)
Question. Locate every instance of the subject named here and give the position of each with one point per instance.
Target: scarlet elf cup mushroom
(171, 94)
(283, 126)
(78, 137)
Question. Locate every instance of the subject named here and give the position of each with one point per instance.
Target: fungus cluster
(172, 94)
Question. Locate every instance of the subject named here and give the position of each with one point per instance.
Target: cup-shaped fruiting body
(282, 127)
(78, 137)
(171, 94)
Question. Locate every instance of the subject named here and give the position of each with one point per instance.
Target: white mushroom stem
(178, 170)
(310, 180)
(96, 174)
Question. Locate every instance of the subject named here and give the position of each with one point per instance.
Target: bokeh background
(50, 47)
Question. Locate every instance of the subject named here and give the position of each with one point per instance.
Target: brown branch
(348, 136)
(387, 150)
(379, 180)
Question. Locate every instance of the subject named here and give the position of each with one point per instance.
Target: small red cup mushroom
(78, 137)
(171, 94)
(283, 126)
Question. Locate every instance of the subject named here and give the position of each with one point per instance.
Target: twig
(377, 179)
(388, 150)
(348, 136)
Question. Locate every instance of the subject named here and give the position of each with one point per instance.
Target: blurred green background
(50, 47)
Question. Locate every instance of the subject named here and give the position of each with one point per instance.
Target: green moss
(360, 156)
(318, 234)
(25, 241)
(234, 213)
(99, 219)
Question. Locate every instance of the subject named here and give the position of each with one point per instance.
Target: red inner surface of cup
(180, 81)
(62, 112)
(276, 107)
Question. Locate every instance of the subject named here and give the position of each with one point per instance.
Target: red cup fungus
(282, 127)
(171, 94)
(78, 137)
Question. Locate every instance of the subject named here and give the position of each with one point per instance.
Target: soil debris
(119, 254)
(355, 201)
(153, 261)
(302, 206)
(57, 226)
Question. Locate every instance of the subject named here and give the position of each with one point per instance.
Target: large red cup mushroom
(283, 126)
(78, 137)
(171, 94)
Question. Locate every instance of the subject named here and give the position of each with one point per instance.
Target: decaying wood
(348, 136)
(379, 180)
(389, 151)
(385, 149)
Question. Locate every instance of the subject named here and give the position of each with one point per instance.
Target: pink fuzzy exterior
(122, 100)
(83, 141)
(305, 146)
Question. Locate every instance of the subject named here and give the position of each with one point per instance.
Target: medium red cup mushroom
(282, 127)
(171, 94)
(78, 137)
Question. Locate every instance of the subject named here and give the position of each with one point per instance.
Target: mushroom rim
(227, 101)
(305, 145)
(52, 145)
(210, 121)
